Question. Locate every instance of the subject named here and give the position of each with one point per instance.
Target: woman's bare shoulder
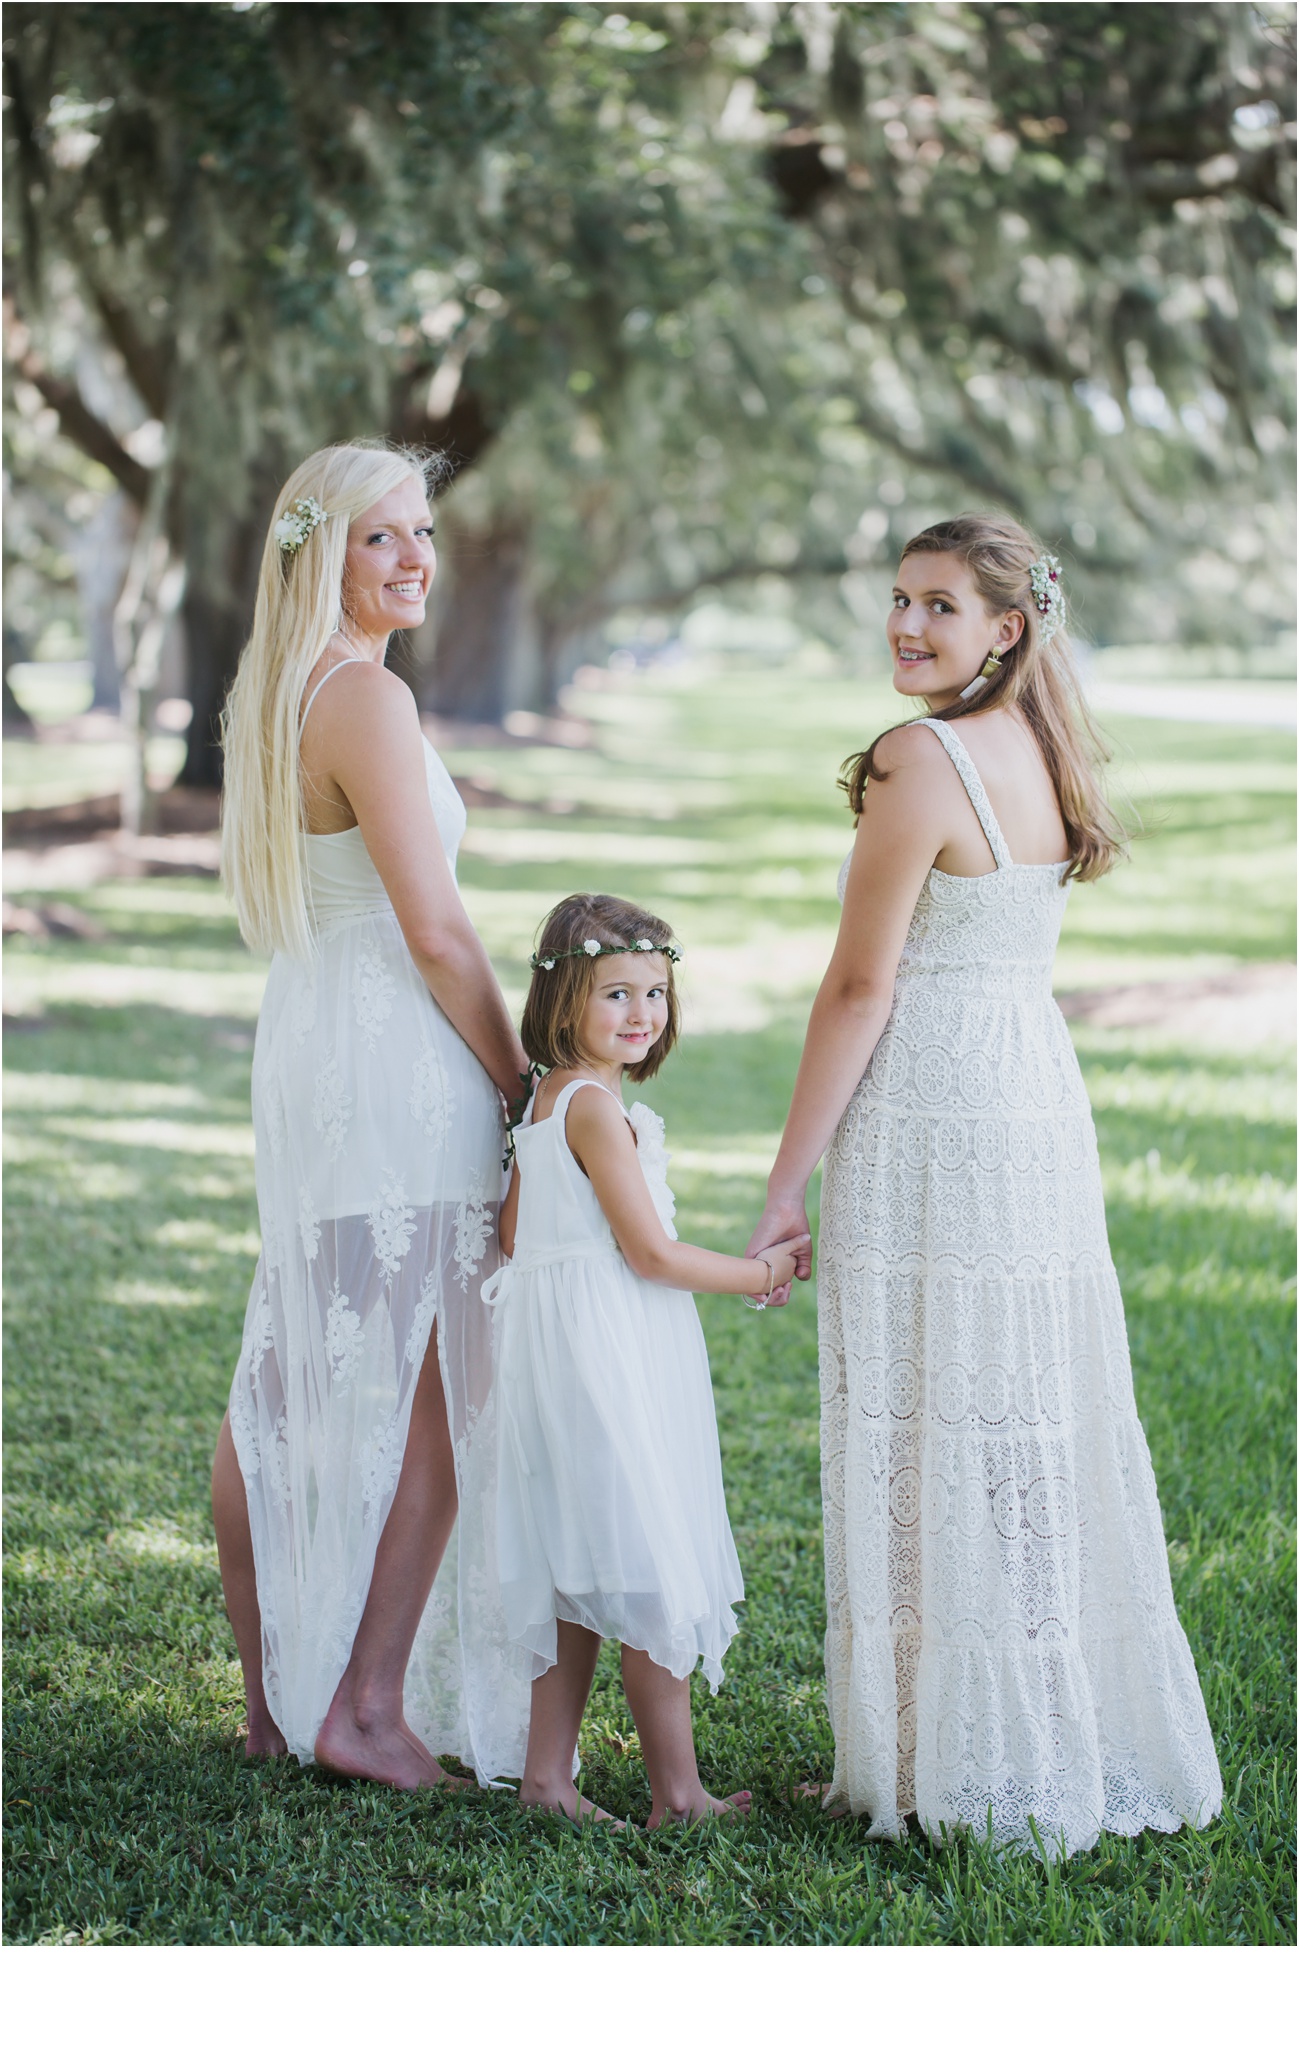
(365, 685)
(914, 748)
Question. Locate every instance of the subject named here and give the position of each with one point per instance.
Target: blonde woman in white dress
(361, 1413)
(1002, 1645)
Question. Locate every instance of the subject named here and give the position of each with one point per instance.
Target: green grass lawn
(132, 1816)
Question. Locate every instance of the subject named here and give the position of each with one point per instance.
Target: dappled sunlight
(164, 1543)
(157, 1134)
(1147, 1183)
(1210, 1279)
(200, 1233)
(1183, 1083)
(152, 1294)
(133, 1229)
(44, 981)
(43, 1090)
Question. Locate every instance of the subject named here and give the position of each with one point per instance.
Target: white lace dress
(611, 1509)
(1001, 1631)
(378, 1142)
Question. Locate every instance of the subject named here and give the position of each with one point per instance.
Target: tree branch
(83, 427)
(463, 433)
(148, 367)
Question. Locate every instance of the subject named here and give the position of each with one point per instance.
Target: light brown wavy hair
(1042, 680)
(559, 995)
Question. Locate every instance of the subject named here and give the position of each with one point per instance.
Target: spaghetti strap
(955, 749)
(320, 686)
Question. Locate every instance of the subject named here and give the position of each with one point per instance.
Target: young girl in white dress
(611, 1518)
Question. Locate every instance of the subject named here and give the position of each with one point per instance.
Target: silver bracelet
(771, 1285)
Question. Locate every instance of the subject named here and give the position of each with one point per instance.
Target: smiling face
(940, 631)
(390, 563)
(626, 1011)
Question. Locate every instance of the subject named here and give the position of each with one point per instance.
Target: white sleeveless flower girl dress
(378, 1140)
(611, 1512)
(1001, 1631)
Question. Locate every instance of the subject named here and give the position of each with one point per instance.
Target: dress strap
(320, 686)
(566, 1094)
(955, 749)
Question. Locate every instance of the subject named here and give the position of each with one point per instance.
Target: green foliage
(714, 293)
(1062, 240)
(131, 1814)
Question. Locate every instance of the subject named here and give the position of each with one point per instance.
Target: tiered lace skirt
(1002, 1645)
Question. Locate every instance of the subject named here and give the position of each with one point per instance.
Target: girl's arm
(601, 1141)
(903, 828)
(507, 1221)
(368, 739)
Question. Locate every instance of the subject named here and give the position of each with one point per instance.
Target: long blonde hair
(1042, 680)
(299, 606)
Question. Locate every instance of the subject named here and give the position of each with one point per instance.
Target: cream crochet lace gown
(1001, 1632)
(378, 1147)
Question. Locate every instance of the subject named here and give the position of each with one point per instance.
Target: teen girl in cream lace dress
(1002, 1645)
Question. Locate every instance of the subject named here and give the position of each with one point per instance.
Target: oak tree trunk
(484, 653)
(217, 615)
(214, 637)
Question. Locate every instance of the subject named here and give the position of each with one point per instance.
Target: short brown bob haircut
(558, 996)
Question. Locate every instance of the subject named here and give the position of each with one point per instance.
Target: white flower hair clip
(1048, 596)
(302, 518)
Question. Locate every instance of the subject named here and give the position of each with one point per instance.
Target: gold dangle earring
(985, 675)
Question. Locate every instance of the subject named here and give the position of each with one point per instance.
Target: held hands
(783, 1227)
(783, 1260)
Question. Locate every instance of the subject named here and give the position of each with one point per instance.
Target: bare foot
(734, 1807)
(568, 1801)
(263, 1738)
(389, 1754)
(809, 1790)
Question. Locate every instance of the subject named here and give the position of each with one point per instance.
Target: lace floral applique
(308, 1224)
(380, 1463)
(261, 1336)
(373, 990)
(273, 1118)
(335, 1632)
(331, 1107)
(272, 1242)
(421, 1325)
(432, 1099)
(473, 1228)
(243, 1428)
(343, 1341)
(277, 1464)
(302, 1005)
(392, 1223)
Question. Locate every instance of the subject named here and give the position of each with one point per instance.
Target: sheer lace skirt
(378, 1145)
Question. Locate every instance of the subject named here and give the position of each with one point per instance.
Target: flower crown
(1048, 596)
(303, 517)
(592, 949)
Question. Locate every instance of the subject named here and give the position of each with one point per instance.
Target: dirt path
(1253, 1006)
